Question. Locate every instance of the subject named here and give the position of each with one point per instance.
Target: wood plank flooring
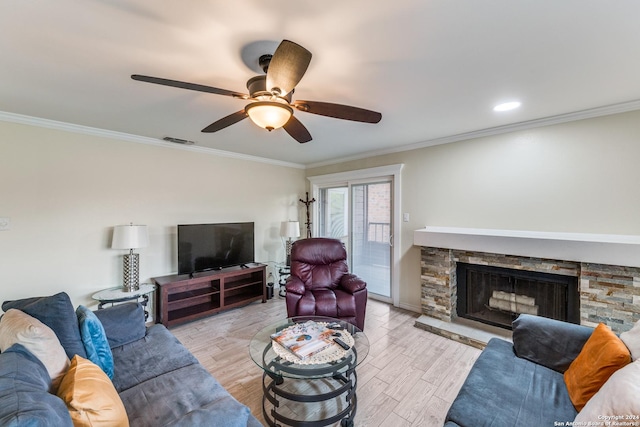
(409, 378)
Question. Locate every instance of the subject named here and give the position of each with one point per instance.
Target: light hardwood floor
(409, 378)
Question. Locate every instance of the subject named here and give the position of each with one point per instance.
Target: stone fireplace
(602, 271)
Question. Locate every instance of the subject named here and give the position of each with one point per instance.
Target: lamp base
(288, 251)
(131, 272)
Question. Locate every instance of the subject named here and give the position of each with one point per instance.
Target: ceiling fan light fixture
(269, 115)
(271, 95)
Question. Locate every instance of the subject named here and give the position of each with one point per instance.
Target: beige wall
(65, 191)
(574, 177)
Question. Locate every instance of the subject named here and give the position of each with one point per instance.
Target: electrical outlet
(405, 217)
(5, 224)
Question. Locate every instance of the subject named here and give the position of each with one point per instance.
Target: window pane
(334, 213)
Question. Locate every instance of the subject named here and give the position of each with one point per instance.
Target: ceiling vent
(178, 140)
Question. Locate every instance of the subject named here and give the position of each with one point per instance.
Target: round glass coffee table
(315, 391)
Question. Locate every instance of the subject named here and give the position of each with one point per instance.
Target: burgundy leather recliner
(321, 285)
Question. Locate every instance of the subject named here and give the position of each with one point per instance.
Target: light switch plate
(5, 224)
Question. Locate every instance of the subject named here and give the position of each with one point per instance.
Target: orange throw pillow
(602, 355)
(90, 396)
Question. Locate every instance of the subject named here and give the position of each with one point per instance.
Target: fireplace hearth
(497, 296)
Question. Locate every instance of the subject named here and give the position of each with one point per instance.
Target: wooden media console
(182, 298)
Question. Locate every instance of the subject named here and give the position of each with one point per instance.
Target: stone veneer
(609, 294)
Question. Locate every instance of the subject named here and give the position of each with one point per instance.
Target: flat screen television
(203, 247)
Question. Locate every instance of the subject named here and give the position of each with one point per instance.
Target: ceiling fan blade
(226, 121)
(297, 131)
(287, 66)
(190, 86)
(338, 111)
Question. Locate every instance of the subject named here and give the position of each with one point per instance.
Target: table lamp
(130, 237)
(289, 229)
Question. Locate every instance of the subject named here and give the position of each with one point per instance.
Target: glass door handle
(391, 240)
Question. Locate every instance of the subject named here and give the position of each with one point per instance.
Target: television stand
(186, 297)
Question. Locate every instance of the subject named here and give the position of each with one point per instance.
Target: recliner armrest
(352, 283)
(548, 342)
(295, 285)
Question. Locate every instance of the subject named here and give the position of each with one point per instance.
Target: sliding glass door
(371, 235)
(362, 208)
(360, 214)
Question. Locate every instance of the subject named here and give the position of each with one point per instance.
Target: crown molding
(121, 136)
(606, 110)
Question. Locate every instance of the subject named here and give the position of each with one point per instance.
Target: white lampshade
(268, 114)
(290, 229)
(130, 237)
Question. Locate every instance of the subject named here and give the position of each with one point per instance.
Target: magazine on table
(304, 339)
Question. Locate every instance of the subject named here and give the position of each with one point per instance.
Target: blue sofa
(158, 380)
(521, 384)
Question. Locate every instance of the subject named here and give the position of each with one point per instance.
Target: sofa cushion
(155, 354)
(159, 369)
(24, 384)
(188, 396)
(505, 390)
(90, 396)
(548, 342)
(631, 339)
(94, 339)
(56, 312)
(602, 355)
(123, 323)
(18, 327)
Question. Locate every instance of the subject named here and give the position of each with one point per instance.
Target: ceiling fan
(271, 105)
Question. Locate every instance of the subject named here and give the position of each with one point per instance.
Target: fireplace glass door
(497, 296)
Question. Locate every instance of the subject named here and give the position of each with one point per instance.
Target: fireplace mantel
(608, 249)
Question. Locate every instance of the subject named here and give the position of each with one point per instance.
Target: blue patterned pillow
(95, 340)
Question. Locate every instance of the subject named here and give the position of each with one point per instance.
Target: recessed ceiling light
(506, 106)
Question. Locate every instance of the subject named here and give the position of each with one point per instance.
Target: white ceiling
(432, 68)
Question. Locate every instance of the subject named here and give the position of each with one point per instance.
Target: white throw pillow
(18, 327)
(618, 397)
(631, 339)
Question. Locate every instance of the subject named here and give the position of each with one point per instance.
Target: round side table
(118, 294)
